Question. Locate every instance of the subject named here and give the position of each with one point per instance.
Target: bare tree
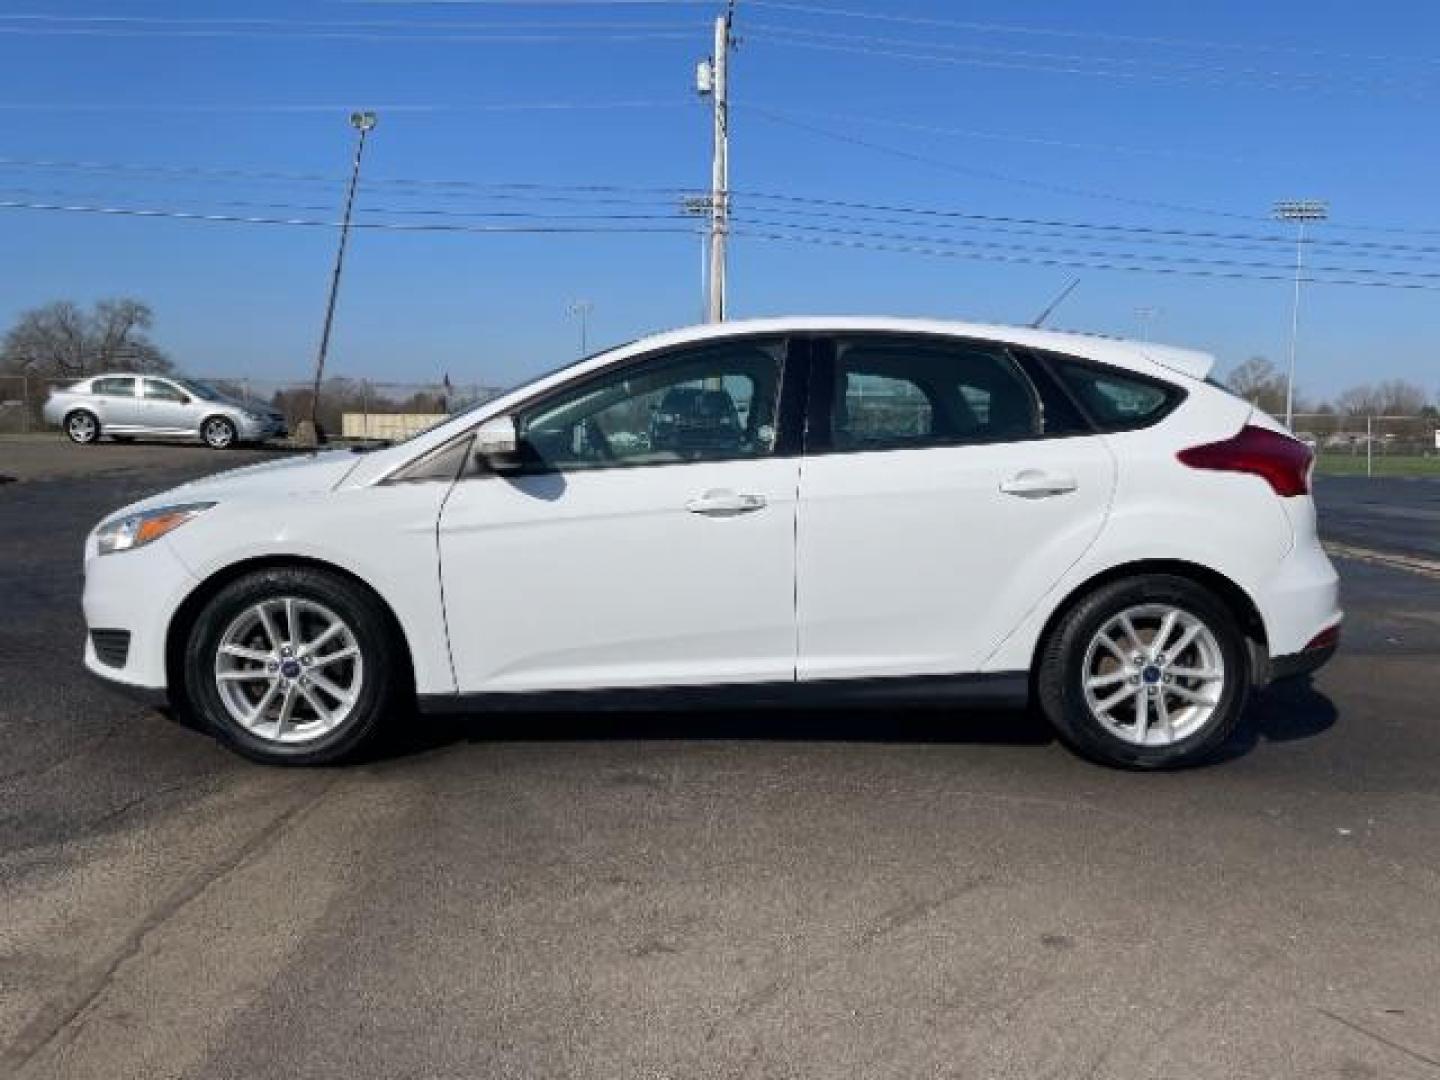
(1393, 397)
(1258, 382)
(60, 339)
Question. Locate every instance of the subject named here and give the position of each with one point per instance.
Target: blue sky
(1104, 114)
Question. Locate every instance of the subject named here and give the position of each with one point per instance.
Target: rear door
(943, 492)
(117, 404)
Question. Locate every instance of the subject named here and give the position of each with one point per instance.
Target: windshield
(201, 390)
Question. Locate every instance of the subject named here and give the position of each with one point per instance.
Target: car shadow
(916, 725)
(1284, 712)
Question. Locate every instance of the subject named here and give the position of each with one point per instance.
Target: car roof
(1112, 350)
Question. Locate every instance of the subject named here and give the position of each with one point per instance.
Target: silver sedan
(125, 406)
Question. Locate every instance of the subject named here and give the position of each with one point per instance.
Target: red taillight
(1283, 462)
(1326, 639)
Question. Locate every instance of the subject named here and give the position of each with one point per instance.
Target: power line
(1069, 263)
(768, 231)
(337, 108)
(1139, 257)
(950, 166)
(381, 226)
(998, 136)
(1065, 32)
(931, 52)
(358, 35)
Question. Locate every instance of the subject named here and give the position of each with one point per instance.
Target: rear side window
(892, 393)
(1116, 400)
(113, 387)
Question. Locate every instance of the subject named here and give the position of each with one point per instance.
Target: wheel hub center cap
(1151, 674)
(290, 669)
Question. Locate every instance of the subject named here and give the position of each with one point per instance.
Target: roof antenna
(1040, 319)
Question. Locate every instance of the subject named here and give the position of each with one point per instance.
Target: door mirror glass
(496, 441)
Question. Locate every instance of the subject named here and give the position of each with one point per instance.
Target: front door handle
(723, 503)
(1036, 484)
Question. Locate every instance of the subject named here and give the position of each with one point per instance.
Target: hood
(302, 474)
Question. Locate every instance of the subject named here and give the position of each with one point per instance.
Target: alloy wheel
(1153, 674)
(289, 670)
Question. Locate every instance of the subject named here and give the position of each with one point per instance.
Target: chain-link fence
(1372, 445)
(366, 401)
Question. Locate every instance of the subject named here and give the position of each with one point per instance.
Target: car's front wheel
(1146, 672)
(293, 665)
(218, 433)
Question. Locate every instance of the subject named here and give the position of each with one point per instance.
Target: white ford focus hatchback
(781, 511)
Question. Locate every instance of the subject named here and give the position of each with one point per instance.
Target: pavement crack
(1375, 1036)
(52, 1022)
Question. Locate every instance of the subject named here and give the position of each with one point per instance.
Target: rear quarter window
(1116, 400)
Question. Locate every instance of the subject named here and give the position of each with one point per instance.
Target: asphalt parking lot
(907, 894)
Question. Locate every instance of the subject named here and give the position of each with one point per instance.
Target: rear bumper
(1302, 663)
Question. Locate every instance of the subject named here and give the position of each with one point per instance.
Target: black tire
(1061, 673)
(381, 690)
(82, 427)
(218, 433)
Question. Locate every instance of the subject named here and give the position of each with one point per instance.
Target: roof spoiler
(1197, 365)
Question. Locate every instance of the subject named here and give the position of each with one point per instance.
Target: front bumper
(260, 430)
(137, 592)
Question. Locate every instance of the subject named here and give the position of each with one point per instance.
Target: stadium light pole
(364, 123)
(1300, 211)
(581, 309)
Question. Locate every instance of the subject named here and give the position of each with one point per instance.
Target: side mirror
(497, 443)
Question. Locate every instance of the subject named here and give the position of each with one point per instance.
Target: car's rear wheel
(218, 433)
(293, 665)
(1146, 672)
(82, 427)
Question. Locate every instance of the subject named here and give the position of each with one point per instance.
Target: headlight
(137, 530)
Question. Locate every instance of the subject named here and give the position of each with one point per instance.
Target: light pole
(1299, 211)
(581, 309)
(1144, 318)
(364, 123)
(699, 206)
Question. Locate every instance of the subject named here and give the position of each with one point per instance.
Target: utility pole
(582, 310)
(364, 123)
(1144, 317)
(712, 80)
(1299, 211)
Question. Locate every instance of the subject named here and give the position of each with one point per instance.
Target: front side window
(708, 403)
(113, 387)
(162, 391)
(908, 392)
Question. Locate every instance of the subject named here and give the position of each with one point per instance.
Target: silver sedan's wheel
(82, 427)
(1154, 674)
(218, 433)
(289, 670)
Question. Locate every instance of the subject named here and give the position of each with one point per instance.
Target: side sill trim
(1004, 689)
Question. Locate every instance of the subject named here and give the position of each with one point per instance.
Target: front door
(645, 540)
(939, 501)
(167, 408)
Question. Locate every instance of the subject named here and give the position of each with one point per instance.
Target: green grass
(1347, 464)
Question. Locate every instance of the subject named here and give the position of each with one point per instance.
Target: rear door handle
(722, 503)
(1035, 484)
